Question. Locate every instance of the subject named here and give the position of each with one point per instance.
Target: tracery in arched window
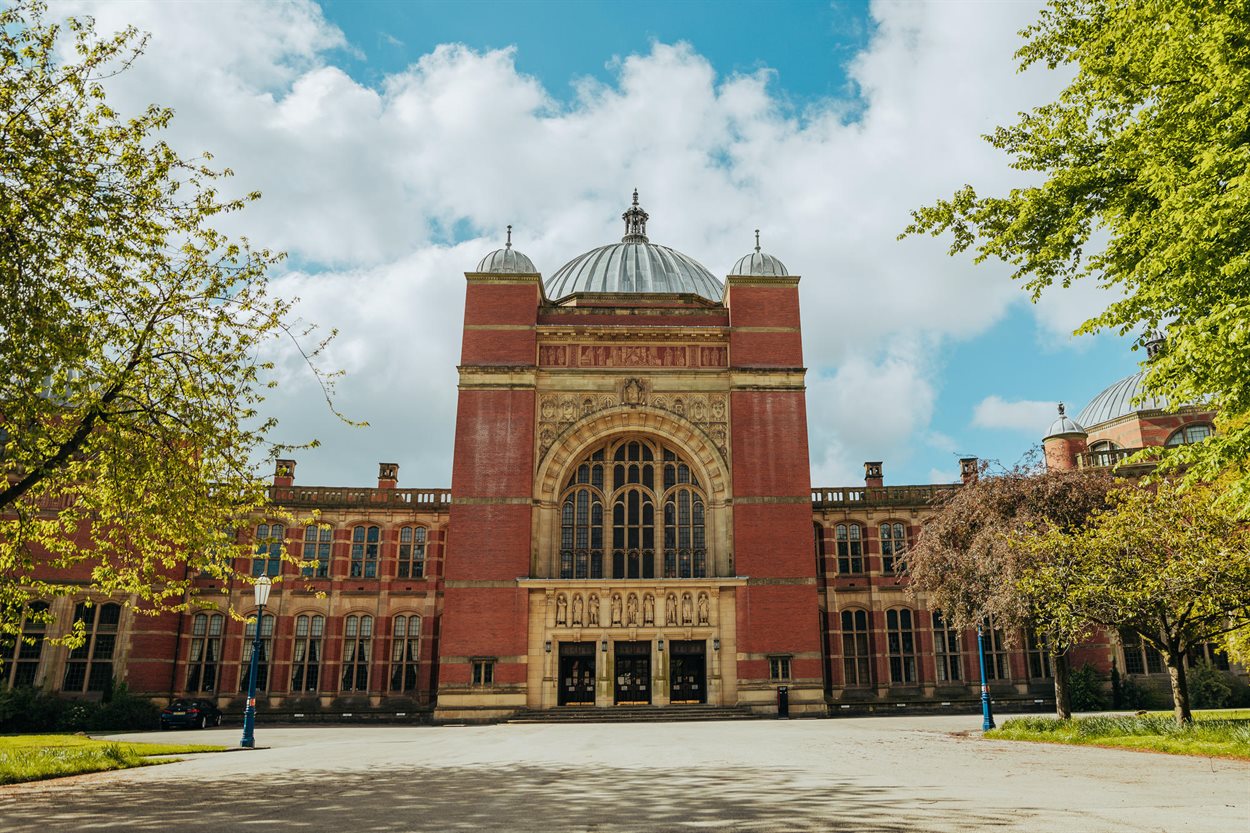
(632, 493)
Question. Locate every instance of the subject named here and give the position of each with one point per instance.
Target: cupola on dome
(1065, 426)
(635, 266)
(760, 264)
(507, 261)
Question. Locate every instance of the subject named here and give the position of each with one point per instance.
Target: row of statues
(630, 610)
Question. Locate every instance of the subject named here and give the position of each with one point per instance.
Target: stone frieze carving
(558, 411)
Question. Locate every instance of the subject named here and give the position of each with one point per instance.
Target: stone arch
(582, 436)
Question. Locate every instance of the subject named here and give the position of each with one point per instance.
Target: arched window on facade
(893, 546)
(268, 558)
(357, 644)
(266, 652)
(20, 655)
(366, 541)
(90, 665)
(317, 543)
(624, 499)
(946, 650)
(411, 552)
(996, 665)
(306, 652)
(856, 649)
(901, 639)
(1195, 433)
(850, 540)
(1101, 452)
(204, 658)
(405, 652)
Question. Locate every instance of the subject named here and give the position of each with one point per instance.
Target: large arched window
(365, 543)
(1195, 433)
(306, 652)
(357, 651)
(90, 665)
(901, 639)
(850, 539)
(405, 652)
(262, 659)
(856, 649)
(20, 655)
(620, 502)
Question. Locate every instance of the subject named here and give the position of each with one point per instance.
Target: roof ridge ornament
(1061, 413)
(508, 245)
(757, 240)
(1155, 342)
(635, 223)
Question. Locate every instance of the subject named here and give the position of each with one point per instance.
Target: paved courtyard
(864, 775)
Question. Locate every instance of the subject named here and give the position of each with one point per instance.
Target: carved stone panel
(558, 411)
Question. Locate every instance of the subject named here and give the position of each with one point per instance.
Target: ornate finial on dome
(508, 245)
(757, 240)
(635, 223)
(1061, 409)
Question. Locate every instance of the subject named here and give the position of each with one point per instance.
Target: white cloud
(1027, 415)
(370, 188)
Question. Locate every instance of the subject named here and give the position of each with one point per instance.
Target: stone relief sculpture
(577, 609)
(670, 609)
(592, 610)
(703, 609)
(648, 609)
(556, 412)
(562, 609)
(687, 609)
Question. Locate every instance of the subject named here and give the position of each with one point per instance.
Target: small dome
(507, 261)
(635, 265)
(759, 263)
(1118, 401)
(1064, 425)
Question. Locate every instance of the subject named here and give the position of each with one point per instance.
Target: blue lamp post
(261, 589)
(987, 716)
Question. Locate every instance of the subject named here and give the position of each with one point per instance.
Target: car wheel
(203, 722)
(217, 722)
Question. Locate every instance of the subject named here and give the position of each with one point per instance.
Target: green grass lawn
(35, 757)
(1219, 733)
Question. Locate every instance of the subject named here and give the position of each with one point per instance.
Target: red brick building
(630, 521)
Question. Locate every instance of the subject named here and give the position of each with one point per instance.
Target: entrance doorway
(633, 672)
(577, 674)
(688, 671)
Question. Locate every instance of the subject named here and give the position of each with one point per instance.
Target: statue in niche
(588, 406)
(687, 609)
(670, 609)
(567, 408)
(648, 609)
(703, 609)
(562, 609)
(592, 610)
(577, 609)
(632, 610)
(616, 609)
(632, 392)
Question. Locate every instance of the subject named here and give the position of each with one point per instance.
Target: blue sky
(393, 141)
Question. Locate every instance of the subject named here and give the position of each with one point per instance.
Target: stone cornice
(761, 280)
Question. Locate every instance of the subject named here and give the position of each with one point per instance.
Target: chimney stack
(872, 475)
(969, 469)
(388, 475)
(284, 473)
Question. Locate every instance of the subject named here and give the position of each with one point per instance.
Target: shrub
(26, 709)
(1208, 687)
(32, 710)
(1085, 687)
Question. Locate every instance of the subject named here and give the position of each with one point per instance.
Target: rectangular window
(268, 558)
(1039, 656)
(483, 672)
(901, 640)
(996, 667)
(365, 544)
(317, 543)
(946, 650)
(850, 540)
(411, 552)
(779, 668)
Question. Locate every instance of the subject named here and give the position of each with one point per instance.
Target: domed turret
(635, 265)
(759, 263)
(1065, 426)
(507, 261)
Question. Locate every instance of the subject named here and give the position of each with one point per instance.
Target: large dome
(1118, 401)
(635, 265)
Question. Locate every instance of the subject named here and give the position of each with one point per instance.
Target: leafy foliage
(1141, 180)
(1209, 687)
(26, 709)
(129, 338)
(1085, 687)
(1172, 566)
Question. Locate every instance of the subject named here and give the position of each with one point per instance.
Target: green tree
(1171, 566)
(129, 336)
(966, 563)
(1137, 180)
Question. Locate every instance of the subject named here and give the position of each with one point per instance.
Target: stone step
(632, 714)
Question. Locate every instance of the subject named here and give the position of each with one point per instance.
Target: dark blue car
(190, 714)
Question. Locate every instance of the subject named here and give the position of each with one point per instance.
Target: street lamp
(987, 716)
(261, 589)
